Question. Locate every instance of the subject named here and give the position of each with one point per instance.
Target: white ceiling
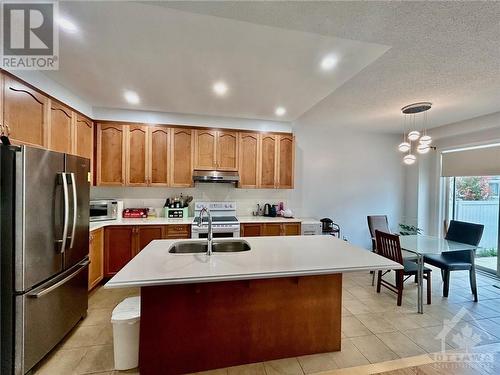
(392, 54)
(172, 58)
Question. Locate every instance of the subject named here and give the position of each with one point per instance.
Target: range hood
(215, 176)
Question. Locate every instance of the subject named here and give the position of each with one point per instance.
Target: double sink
(193, 247)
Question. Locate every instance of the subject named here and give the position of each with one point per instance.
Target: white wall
(347, 175)
(246, 199)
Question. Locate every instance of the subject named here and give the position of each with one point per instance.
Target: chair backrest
(378, 222)
(388, 246)
(469, 233)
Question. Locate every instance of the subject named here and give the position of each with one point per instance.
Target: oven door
(217, 232)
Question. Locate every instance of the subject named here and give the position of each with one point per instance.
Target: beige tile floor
(374, 330)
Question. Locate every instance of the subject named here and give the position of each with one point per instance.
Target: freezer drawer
(46, 314)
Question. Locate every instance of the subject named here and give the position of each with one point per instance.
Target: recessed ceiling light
(329, 62)
(131, 97)
(280, 111)
(220, 88)
(67, 25)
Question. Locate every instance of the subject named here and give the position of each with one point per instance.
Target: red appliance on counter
(135, 213)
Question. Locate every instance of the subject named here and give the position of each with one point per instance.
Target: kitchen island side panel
(195, 327)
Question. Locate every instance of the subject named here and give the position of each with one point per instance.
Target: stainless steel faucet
(209, 233)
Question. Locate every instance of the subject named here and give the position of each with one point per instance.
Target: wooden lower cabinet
(291, 229)
(178, 231)
(123, 242)
(250, 230)
(96, 257)
(270, 229)
(118, 248)
(147, 233)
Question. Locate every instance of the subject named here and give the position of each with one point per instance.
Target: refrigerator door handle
(66, 212)
(75, 208)
(37, 293)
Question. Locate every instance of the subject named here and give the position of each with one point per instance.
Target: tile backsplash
(246, 199)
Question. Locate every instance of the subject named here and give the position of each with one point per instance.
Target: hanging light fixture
(410, 159)
(410, 113)
(423, 148)
(404, 146)
(413, 135)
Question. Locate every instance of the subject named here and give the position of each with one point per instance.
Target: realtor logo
(29, 36)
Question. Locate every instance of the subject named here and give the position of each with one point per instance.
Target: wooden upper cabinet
(248, 160)
(136, 155)
(84, 137)
(110, 154)
(25, 114)
(205, 149)
(159, 159)
(286, 154)
(181, 157)
(61, 127)
(268, 158)
(227, 151)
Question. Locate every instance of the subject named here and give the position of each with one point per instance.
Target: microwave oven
(104, 209)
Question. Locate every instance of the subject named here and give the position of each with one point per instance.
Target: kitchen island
(282, 298)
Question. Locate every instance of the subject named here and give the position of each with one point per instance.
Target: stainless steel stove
(224, 220)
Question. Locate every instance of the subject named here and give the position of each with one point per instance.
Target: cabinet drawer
(178, 231)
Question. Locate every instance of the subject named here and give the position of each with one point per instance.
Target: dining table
(416, 246)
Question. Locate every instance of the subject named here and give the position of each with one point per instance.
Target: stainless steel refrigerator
(44, 251)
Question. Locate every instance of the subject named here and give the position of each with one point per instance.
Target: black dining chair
(377, 222)
(461, 260)
(388, 246)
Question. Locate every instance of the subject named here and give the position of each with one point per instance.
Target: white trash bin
(125, 319)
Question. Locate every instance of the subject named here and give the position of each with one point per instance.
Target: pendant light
(404, 146)
(413, 135)
(410, 114)
(410, 159)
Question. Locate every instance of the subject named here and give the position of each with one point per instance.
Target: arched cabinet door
(25, 114)
(286, 156)
(268, 161)
(227, 151)
(181, 157)
(84, 137)
(248, 145)
(159, 159)
(61, 128)
(136, 155)
(205, 149)
(110, 154)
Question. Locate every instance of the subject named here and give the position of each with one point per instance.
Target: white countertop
(189, 220)
(269, 257)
